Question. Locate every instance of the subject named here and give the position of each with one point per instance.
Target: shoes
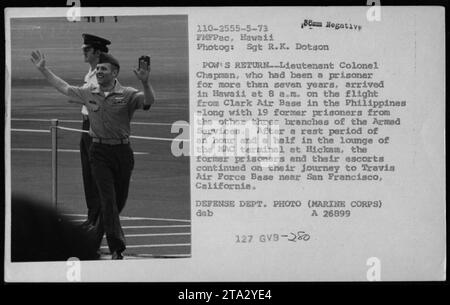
(117, 255)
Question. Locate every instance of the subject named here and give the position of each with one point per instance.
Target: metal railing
(54, 126)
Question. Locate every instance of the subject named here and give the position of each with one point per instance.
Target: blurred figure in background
(39, 233)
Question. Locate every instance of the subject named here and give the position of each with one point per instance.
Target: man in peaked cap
(92, 47)
(111, 108)
(95, 42)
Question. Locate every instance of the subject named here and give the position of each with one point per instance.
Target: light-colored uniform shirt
(89, 79)
(109, 116)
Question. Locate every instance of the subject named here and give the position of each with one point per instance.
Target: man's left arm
(149, 95)
(148, 98)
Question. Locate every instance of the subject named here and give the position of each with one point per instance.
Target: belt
(85, 117)
(111, 141)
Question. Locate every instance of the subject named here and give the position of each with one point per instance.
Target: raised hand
(38, 59)
(142, 74)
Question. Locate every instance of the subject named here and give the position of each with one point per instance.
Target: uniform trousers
(112, 166)
(90, 188)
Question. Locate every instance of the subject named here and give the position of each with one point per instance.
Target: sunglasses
(87, 49)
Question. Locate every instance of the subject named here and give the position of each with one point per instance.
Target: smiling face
(106, 73)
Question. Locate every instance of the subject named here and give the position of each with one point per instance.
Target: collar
(116, 89)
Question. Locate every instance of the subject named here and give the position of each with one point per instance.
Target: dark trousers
(90, 187)
(111, 167)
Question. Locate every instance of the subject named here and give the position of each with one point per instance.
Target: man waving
(110, 108)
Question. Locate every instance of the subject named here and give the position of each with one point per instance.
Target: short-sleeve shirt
(89, 79)
(109, 116)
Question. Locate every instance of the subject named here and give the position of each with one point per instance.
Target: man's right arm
(38, 60)
(55, 81)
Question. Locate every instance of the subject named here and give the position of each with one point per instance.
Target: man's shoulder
(130, 92)
(83, 90)
(126, 91)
